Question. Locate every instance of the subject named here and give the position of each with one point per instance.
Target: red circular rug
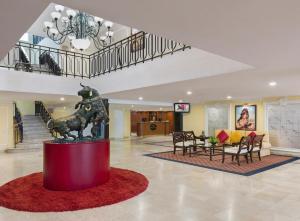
(28, 194)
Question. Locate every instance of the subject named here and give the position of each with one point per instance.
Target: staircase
(46, 59)
(34, 133)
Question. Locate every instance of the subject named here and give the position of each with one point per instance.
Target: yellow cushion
(235, 136)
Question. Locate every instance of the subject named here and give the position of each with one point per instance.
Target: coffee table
(207, 150)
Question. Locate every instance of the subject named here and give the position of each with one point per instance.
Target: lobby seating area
(163, 110)
(201, 145)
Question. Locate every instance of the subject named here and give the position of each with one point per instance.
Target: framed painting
(245, 117)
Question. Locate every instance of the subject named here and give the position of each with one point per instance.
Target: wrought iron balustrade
(18, 125)
(135, 49)
(44, 59)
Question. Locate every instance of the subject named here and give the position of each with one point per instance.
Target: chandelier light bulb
(48, 24)
(109, 33)
(55, 15)
(59, 8)
(98, 20)
(108, 24)
(53, 31)
(71, 13)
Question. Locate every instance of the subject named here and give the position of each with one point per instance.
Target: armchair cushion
(222, 136)
(234, 150)
(235, 136)
(185, 143)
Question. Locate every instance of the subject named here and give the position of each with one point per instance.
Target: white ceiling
(264, 34)
(240, 85)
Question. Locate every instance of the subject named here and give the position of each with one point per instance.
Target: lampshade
(108, 24)
(59, 8)
(81, 44)
(55, 15)
(71, 13)
(97, 19)
(48, 24)
(53, 31)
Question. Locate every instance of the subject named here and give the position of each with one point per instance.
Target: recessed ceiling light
(273, 83)
(62, 98)
(132, 106)
(189, 92)
(160, 108)
(180, 101)
(141, 98)
(228, 97)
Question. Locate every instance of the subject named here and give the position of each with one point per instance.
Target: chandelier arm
(56, 25)
(98, 44)
(99, 27)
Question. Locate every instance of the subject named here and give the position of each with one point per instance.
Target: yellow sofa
(236, 135)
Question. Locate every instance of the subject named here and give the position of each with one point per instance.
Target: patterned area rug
(266, 163)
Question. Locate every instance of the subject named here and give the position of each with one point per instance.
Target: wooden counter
(153, 128)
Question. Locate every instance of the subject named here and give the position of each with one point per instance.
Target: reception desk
(153, 128)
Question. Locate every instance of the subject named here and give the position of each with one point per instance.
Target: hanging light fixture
(79, 27)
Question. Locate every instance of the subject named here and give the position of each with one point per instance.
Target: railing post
(82, 66)
(66, 63)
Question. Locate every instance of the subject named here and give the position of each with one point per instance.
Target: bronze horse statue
(90, 109)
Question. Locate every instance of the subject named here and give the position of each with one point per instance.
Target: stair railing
(18, 125)
(41, 110)
(135, 49)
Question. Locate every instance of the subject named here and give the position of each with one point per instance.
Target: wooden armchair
(190, 136)
(241, 150)
(256, 146)
(179, 142)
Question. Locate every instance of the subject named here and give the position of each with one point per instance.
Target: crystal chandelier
(79, 27)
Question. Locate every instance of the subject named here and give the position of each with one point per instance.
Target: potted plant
(213, 140)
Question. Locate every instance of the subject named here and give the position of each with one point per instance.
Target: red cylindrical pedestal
(75, 166)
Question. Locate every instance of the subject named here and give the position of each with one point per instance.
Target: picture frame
(245, 117)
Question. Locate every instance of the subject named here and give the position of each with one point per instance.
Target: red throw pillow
(222, 136)
(252, 134)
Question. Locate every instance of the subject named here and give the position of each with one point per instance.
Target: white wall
(119, 124)
(6, 125)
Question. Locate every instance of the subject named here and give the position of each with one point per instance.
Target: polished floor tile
(176, 191)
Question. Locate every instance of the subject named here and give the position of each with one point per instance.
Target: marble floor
(176, 191)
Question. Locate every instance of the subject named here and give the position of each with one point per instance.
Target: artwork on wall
(245, 117)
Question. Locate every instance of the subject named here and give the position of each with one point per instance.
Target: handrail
(41, 110)
(18, 125)
(135, 49)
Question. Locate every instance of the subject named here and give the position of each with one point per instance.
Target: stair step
(39, 140)
(22, 150)
(286, 151)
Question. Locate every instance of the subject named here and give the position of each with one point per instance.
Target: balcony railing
(137, 48)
